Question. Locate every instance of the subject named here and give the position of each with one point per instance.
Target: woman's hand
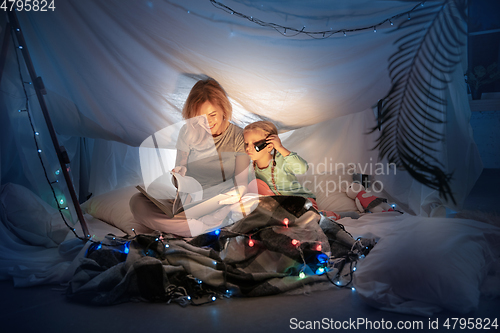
(181, 170)
(276, 142)
(234, 195)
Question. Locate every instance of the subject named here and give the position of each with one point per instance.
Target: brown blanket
(280, 246)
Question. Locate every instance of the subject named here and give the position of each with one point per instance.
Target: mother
(218, 167)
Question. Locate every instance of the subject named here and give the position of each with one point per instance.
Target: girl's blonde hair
(265, 126)
(269, 129)
(207, 90)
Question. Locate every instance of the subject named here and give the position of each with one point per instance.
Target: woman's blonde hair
(265, 126)
(207, 90)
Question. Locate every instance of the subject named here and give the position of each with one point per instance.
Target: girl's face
(215, 117)
(252, 137)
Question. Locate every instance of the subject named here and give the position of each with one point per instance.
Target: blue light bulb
(322, 258)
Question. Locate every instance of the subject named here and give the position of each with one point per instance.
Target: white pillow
(30, 218)
(113, 208)
(425, 265)
(330, 189)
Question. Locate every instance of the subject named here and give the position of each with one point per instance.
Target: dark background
(484, 37)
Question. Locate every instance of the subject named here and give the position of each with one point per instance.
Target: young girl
(275, 166)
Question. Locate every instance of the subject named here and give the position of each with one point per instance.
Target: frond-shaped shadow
(419, 71)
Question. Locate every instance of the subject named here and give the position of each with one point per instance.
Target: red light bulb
(251, 242)
(295, 242)
(285, 222)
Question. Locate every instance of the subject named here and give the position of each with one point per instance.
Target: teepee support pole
(40, 91)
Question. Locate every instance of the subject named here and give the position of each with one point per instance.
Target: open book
(189, 198)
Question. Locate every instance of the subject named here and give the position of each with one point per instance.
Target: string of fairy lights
(292, 31)
(60, 201)
(159, 245)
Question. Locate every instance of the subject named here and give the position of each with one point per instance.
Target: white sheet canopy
(117, 71)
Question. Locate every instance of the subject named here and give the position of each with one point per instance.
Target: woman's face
(215, 117)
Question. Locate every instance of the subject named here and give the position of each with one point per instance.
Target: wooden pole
(40, 91)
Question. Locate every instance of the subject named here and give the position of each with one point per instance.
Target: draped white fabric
(118, 71)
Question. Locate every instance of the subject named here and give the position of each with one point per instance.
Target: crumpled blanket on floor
(157, 268)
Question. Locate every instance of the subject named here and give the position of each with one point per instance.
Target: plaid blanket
(278, 247)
